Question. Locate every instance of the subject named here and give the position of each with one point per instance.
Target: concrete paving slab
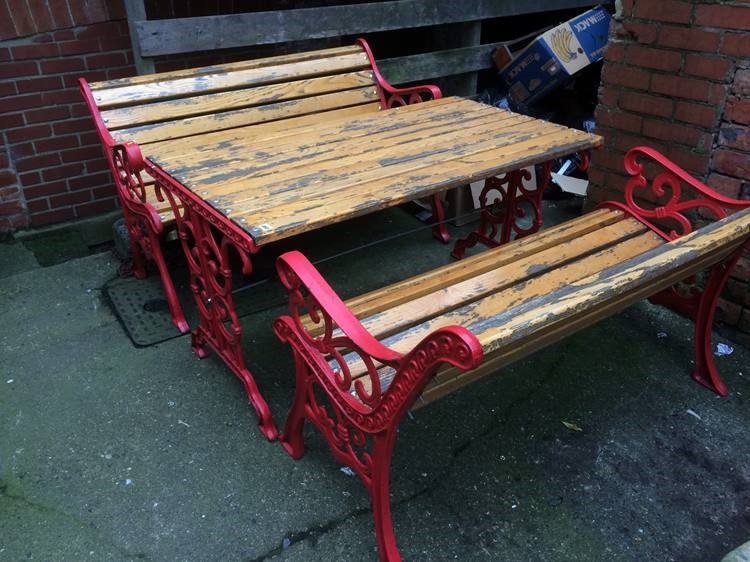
(108, 452)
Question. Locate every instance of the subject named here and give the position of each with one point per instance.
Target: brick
(732, 163)
(97, 165)
(741, 84)
(104, 60)
(79, 110)
(608, 97)
(54, 113)
(37, 162)
(60, 14)
(689, 39)
(18, 69)
(735, 136)
(664, 10)
(645, 103)
(72, 126)
(44, 189)
(643, 33)
(629, 76)
(725, 185)
(697, 114)
(21, 150)
(736, 44)
(79, 47)
(115, 43)
(708, 66)
(609, 160)
(32, 178)
(34, 51)
(123, 72)
(680, 87)
(11, 207)
(96, 207)
(624, 142)
(725, 17)
(63, 35)
(28, 133)
(619, 120)
(689, 160)
(82, 153)
(67, 199)
(62, 172)
(658, 59)
(7, 177)
(39, 84)
(728, 312)
(104, 192)
(11, 120)
(22, 20)
(89, 180)
(58, 66)
(675, 132)
(61, 96)
(42, 15)
(738, 110)
(7, 89)
(614, 52)
(49, 217)
(56, 143)
(37, 205)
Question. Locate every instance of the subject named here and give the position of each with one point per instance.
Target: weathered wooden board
(172, 36)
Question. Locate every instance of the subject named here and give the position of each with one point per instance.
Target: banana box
(556, 55)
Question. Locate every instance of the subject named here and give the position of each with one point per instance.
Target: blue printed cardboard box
(555, 56)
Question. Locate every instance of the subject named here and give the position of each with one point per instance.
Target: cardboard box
(556, 55)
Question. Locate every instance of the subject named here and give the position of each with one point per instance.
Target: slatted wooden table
(246, 187)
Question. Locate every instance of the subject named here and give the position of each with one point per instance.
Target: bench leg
(380, 495)
(509, 200)
(705, 371)
(292, 438)
(440, 230)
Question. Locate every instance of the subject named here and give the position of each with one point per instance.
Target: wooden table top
(278, 183)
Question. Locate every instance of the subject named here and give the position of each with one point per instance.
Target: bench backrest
(157, 107)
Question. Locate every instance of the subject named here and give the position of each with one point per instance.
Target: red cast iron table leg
(208, 241)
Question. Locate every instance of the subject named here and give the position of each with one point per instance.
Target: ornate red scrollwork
(391, 97)
(510, 210)
(357, 415)
(671, 205)
(209, 242)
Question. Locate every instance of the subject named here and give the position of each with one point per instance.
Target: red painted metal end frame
(391, 97)
(143, 223)
(209, 240)
(358, 416)
(669, 210)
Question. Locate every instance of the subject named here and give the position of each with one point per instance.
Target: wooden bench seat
(258, 101)
(403, 346)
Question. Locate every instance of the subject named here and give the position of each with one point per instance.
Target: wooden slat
(334, 170)
(355, 157)
(231, 119)
(517, 273)
(225, 67)
(421, 180)
(528, 292)
(255, 76)
(599, 296)
(172, 36)
(174, 155)
(200, 104)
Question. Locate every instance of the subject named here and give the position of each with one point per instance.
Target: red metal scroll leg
(705, 369)
(173, 301)
(292, 438)
(380, 494)
(440, 230)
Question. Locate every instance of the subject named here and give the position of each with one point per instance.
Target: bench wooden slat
(519, 273)
(246, 77)
(145, 134)
(224, 68)
(338, 161)
(426, 176)
(233, 99)
(656, 270)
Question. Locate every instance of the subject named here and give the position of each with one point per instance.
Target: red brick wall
(51, 164)
(677, 77)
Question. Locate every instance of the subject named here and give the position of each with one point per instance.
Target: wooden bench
(403, 346)
(275, 93)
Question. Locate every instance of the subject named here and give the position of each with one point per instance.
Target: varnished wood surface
(278, 183)
(543, 294)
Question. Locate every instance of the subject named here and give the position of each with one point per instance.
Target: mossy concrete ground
(108, 452)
